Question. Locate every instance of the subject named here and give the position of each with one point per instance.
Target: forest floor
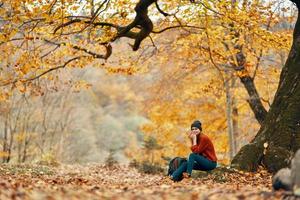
(120, 182)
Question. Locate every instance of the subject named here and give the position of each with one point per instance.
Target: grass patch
(15, 169)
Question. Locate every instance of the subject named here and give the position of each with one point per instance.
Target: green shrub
(110, 160)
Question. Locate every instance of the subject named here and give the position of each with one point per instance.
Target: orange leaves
(78, 85)
(4, 95)
(21, 86)
(121, 182)
(120, 70)
(242, 73)
(3, 154)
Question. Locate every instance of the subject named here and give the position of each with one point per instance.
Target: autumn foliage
(121, 82)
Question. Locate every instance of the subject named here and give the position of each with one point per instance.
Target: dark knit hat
(197, 124)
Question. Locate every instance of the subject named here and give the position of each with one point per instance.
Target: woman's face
(195, 130)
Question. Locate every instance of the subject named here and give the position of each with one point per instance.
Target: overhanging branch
(43, 73)
(54, 68)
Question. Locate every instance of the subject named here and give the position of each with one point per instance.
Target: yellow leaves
(147, 128)
(2, 37)
(179, 96)
(242, 73)
(25, 68)
(4, 154)
(121, 70)
(21, 137)
(7, 33)
(81, 84)
(4, 95)
(27, 63)
(20, 86)
(75, 7)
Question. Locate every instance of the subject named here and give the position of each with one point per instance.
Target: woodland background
(61, 103)
(96, 96)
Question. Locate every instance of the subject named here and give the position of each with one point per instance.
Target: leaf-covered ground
(99, 182)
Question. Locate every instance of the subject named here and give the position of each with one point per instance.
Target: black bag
(174, 164)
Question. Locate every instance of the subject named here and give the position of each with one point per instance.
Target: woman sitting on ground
(203, 156)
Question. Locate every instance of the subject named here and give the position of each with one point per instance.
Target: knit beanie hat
(197, 124)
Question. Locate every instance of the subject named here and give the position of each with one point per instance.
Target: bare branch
(153, 42)
(98, 12)
(208, 8)
(178, 26)
(95, 55)
(52, 50)
(54, 68)
(43, 73)
(66, 24)
(52, 6)
(211, 56)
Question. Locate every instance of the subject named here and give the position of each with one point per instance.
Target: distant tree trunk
(4, 145)
(281, 128)
(11, 140)
(229, 116)
(26, 146)
(235, 122)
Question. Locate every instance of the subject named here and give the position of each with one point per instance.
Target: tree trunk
(4, 145)
(281, 128)
(235, 122)
(229, 116)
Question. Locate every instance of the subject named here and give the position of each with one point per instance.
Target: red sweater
(205, 148)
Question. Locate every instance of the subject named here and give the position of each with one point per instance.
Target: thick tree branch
(141, 19)
(161, 11)
(254, 99)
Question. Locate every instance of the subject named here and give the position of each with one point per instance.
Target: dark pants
(196, 162)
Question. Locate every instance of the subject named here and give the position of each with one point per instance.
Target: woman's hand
(194, 138)
(190, 134)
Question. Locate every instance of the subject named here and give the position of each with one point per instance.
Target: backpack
(174, 164)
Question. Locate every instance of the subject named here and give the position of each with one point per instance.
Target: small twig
(152, 42)
(266, 101)
(46, 54)
(52, 6)
(178, 26)
(42, 74)
(55, 68)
